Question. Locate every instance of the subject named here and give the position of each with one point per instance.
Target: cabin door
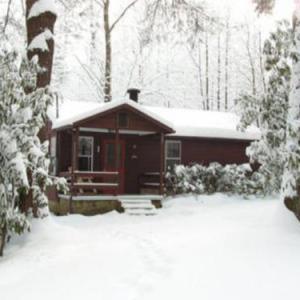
(110, 162)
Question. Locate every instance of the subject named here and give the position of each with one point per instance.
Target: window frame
(91, 138)
(179, 158)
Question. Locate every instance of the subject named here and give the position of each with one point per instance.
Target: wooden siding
(135, 122)
(205, 151)
(143, 153)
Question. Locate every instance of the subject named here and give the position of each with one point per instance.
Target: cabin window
(172, 154)
(86, 153)
(123, 120)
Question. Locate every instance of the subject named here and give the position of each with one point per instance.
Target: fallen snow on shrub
(200, 179)
(206, 247)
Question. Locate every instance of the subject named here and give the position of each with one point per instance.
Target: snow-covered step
(135, 201)
(138, 207)
(141, 212)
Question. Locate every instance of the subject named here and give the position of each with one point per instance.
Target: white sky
(243, 10)
(240, 8)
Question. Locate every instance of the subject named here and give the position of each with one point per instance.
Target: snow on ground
(210, 248)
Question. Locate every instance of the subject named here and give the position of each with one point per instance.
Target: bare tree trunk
(227, 63)
(7, 16)
(206, 71)
(197, 60)
(140, 65)
(251, 62)
(199, 67)
(3, 234)
(212, 95)
(261, 62)
(93, 34)
(107, 30)
(219, 73)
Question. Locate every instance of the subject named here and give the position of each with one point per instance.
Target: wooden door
(110, 162)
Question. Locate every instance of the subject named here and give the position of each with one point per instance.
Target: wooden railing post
(72, 172)
(117, 138)
(109, 182)
(162, 163)
(76, 149)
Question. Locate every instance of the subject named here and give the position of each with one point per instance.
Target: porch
(111, 154)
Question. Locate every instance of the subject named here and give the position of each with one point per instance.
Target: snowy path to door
(217, 247)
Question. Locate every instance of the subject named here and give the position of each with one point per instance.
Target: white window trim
(92, 154)
(166, 151)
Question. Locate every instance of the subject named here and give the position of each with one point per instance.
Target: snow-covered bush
(199, 179)
(23, 158)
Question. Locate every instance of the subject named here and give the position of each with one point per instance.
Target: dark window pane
(170, 163)
(173, 150)
(123, 120)
(85, 146)
(85, 164)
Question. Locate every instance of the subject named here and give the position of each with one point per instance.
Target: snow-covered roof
(85, 111)
(210, 124)
(185, 122)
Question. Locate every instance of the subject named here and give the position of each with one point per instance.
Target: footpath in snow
(215, 247)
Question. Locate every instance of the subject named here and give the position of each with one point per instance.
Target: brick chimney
(133, 94)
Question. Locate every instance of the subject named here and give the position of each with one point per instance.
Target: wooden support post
(72, 171)
(76, 149)
(162, 163)
(117, 157)
(58, 153)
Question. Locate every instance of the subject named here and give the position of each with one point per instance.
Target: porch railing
(84, 182)
(149, 182)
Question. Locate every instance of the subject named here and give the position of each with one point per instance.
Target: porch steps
(138, 207)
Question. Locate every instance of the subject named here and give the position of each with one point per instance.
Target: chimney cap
(133, 90)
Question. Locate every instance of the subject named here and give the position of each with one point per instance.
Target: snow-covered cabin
(150, 140)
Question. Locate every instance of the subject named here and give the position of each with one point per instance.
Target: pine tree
(23, 158)
(270, 110)
(291, 178)
(264, 6)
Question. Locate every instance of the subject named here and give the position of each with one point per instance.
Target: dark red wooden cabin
(123, 147)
